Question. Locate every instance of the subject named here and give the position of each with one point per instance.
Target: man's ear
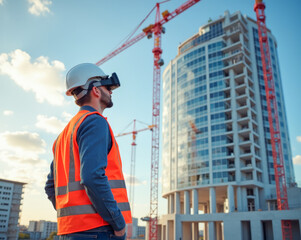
(95, 91)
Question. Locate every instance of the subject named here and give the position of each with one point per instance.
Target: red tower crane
(133, 166)
(133, 158)
(156, 29)
(282, 201)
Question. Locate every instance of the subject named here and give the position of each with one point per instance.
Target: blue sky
(42, 39)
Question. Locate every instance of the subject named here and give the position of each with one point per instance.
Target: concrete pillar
(186, 202)
(177, 202)
(195, 201)
(171, 203)
(211, 226)
(230, 193)
(182, 207)
(232, 230)
(277, 231)
(168, 204)
(177, 229)
(256, 230)
(238, 199)
(195, 231)
(219, 232)
(212, 198)
(206, 235)
(256, 200)
(261, 199)
(244, 199)
(187, 231)
(300, 225)
(170, 230)
(164, 232)
(159, 234)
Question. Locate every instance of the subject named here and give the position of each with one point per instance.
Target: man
(86, 184)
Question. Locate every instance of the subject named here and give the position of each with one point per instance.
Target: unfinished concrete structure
(217, 160)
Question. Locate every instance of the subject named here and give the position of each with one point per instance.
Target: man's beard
(105, 99)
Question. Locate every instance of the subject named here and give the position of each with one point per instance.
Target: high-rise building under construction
(217, 155)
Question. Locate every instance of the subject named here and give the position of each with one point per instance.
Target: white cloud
(67, 116)
(8, 112)
(41, 77)
(50, 124)
(39, 7)
(53, 124)
(299, 138)
(28, 170)
(23, 144)
(128, 178)
(1, 2)
(20, 160)
(297, 160)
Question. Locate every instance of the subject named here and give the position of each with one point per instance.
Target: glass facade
(212, 134)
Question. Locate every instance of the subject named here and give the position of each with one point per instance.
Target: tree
(50, 237)
(24, 236)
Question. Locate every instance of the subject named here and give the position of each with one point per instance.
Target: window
(250, 192)
(215, 30)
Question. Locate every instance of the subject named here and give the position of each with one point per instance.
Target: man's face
(106, 99)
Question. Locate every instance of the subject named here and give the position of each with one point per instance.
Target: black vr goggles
(110, 82)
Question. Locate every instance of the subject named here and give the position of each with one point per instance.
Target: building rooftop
(11, 181)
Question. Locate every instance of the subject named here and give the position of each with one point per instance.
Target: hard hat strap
(112, 81)
(86, 88)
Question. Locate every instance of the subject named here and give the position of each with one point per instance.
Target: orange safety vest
(75, 212)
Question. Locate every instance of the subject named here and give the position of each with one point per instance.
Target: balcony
(230, 153)
(242, 110)
(232, 46)
(231, 177)
(258, 165)
(242, 128)
(246, 47)
(247, 177)
(232, 54)
(231, 165)
(246, 154)
(228, 116)
(245, 143)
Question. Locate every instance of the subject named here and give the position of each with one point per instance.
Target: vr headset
(110, 82)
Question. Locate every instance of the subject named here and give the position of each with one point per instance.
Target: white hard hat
(81, 74)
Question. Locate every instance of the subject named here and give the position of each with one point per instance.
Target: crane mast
(157, 51)
(156, 29)
(133, 158)
(282, 200)
(132, 168)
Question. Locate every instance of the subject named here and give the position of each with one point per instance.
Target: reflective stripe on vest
(87, 209)
(75, 186)
(71, 162)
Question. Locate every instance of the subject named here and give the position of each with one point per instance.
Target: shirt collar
(87, 108)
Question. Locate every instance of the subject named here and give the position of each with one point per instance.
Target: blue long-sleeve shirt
(94, 142)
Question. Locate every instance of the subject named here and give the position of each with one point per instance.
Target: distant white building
(140, 232)
(135, 231)
(10, 207)
(42, 226)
